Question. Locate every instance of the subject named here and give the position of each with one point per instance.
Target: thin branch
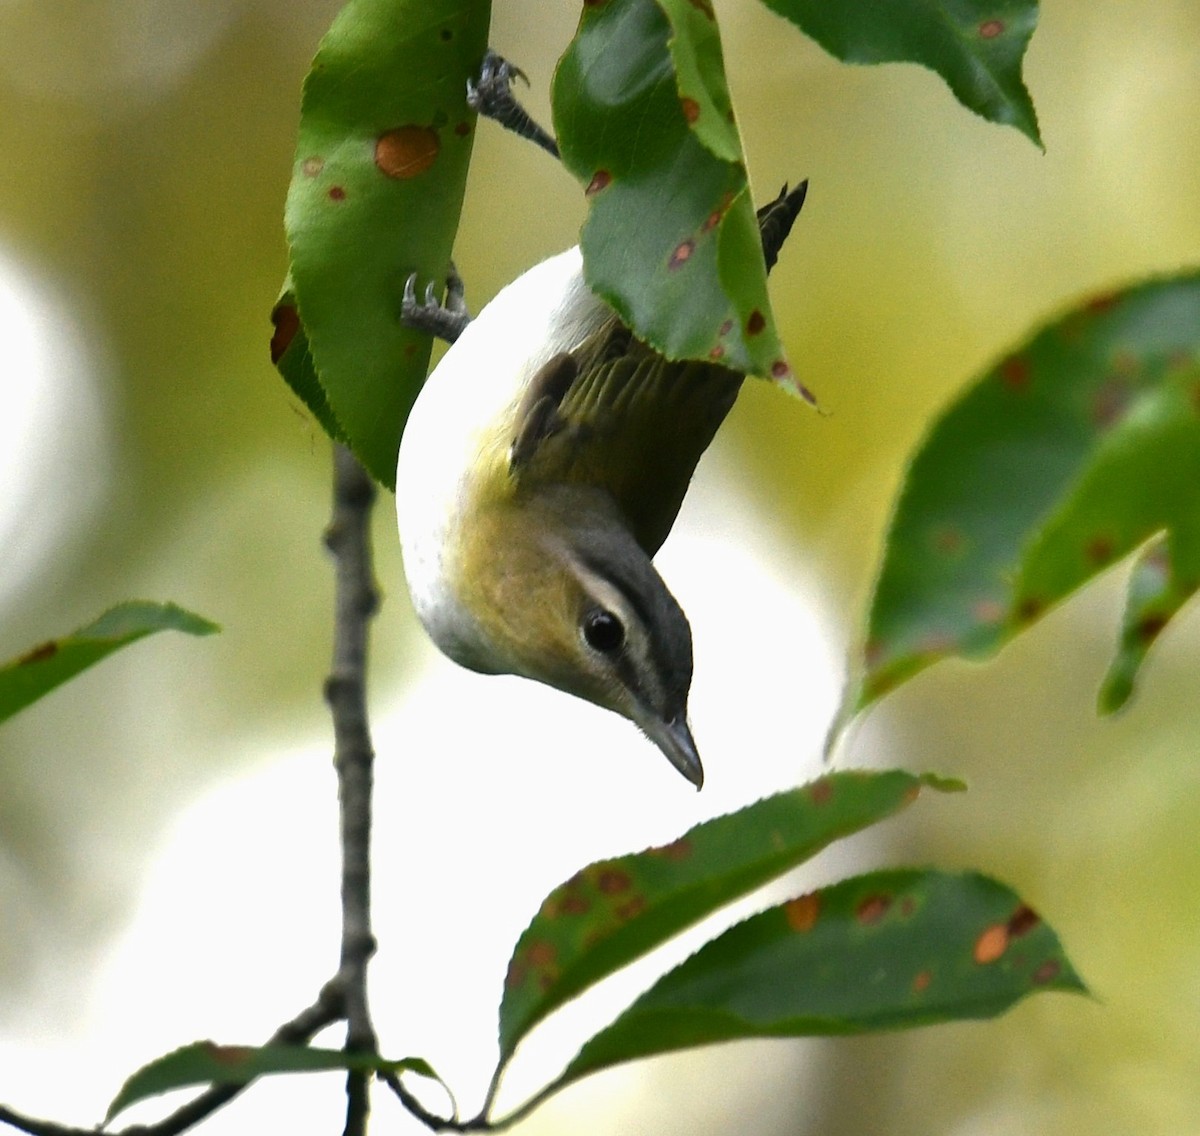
(326, 1010)
(356, 600)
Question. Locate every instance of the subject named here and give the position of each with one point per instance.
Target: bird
(542, 466)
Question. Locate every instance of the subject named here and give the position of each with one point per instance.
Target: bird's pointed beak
(675, 740)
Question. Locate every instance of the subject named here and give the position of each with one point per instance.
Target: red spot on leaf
(601, 179)
(1106, 301)
(1014, 372)
(988, 611)
(691, 108)
(872, 909)
(1022, 921)
(1047, 972)
(541, 954)
(406, 151)
(574, 904)
(310, 167)
(756, 323)
(287, 322)
(990, 945)
(462, 129)
(716, 352)
(613, 881)
(802, 912)
(780, 369)
(990, 29)
(337, 193)
(921, 981)
(39, 654)
(682, 254)
(820, 792)
(230, 1055)
(726, 327)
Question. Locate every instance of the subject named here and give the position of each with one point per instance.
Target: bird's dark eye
(603, 630)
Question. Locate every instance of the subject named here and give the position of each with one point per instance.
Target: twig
(356, 600)
(326, 1010)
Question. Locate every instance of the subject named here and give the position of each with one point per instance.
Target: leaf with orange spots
(39, 671)
(614, 911)
(889, 950)
(206, 1063)
(644, 120)
(1077, 448)
(377, 186)
(976, 46)
(293, 360)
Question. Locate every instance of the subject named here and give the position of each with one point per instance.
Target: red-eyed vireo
(541, 468)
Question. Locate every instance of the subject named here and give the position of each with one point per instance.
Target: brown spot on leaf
(948, 541)
(310, 167)
(601, 179)
(726, 327)
(716, 352)
(39, 654)
(337, 193)
(541, 953)
(921, 981)
(991, 944)
(802, 912)
(1014, 372)
(691, 108)
(462, 129)
(1150, 627)
(682, 254)
(573, 904)
(677, 850)
(820, 792)
(756, 323)
(1103, 303)
(908, 905)
(1022, 921)
(407, 151)
(1110, 402)
(613, 881)
(1047, 972)
(1100, 549)
(1029, 609)
(872, 909)
(287, 322)
(630, 907)
(780, 369)
(990, 29)
(446, 35)
(229, 1054)
(516, 974)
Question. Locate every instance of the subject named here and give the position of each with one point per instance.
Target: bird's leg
(445, 321)
(491, 96)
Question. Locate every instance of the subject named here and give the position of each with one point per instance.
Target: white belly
(465, 410)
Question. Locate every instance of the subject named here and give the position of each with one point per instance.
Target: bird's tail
(775, 220)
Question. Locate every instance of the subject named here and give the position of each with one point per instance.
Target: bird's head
(561, 592)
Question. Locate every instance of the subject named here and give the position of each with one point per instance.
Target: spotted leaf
(888, 950)
(644, 120)
(377, 187)
(1075, 449)
(43, 668)
(976, 46)
(616, 910)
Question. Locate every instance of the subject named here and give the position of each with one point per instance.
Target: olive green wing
(617, 415)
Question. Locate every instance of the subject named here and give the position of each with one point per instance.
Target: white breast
(473, 391)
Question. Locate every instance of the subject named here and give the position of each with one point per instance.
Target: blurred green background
(147, 146)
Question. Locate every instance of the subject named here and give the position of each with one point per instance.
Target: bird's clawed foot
(444, 321)
(491, 96)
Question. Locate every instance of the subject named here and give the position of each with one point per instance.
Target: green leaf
(888, 950)
(975, 45)
(1075, 449)
(38, 671)
(293, 359)
(616, 910)
(381, 163)
(644, 121)
(206, 1063)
